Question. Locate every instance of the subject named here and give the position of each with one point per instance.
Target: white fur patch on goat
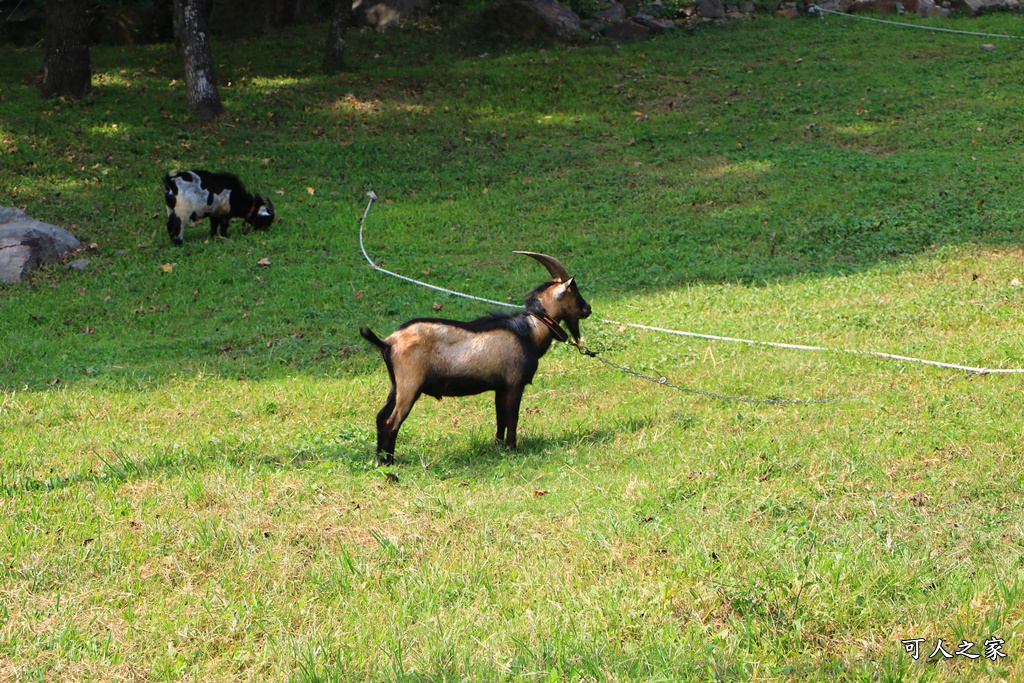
(193, 201)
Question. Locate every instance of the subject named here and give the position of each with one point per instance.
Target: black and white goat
(221, 196)
(496, 353)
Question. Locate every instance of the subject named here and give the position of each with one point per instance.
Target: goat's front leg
(385, 440)
(175, 228)
(390, 419)
(508, 402)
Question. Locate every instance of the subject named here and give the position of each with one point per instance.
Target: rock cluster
(547, 22)
(26, 243)
(550, 22)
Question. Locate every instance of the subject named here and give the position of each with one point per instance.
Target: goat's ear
(562, 288)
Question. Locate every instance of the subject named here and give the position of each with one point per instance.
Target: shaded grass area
(187, 482)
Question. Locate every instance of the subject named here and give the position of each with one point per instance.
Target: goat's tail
(369, 336)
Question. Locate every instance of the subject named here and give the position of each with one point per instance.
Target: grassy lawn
(188, 486)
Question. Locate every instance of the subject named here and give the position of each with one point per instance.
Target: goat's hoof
(387, 459)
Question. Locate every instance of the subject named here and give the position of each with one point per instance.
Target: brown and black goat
(496, 353)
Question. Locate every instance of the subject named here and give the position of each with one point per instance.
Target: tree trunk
(193, 39)
(334, 54)
(66, 71)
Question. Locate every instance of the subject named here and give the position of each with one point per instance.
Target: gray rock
(975, 7)
(836, 5)
(927, 8)
(79, 264)
(26, 243)
(627, 32)
(711, 9)
(654, 24)
(384, 14)
(875, 6)
(532, 21)
(616, 12)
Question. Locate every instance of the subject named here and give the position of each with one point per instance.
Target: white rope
(778, 345)
(803, 347)
(373, 265)
(814, 9)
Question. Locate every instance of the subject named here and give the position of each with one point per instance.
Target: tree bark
(334, 54)
(66, 71)
(193, 39)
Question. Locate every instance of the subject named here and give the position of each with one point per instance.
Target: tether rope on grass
(699, 335)
(814, 9)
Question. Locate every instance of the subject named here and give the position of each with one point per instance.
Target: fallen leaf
(281, 192)
(310, 190)
(391, 477)
(168, 267)
(540, 492)
(438, 307)
(263, 262)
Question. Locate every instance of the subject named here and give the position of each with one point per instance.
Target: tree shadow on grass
(351, 453)
(484, 457)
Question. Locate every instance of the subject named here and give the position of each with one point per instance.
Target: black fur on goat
(221, 196)
(498, 353)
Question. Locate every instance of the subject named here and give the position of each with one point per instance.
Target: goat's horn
(557, 270)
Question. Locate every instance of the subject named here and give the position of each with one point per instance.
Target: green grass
(187, 483)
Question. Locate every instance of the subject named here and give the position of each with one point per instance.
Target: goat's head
(562, 299)
(262, 213)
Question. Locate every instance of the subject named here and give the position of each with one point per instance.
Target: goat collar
(555, 328)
